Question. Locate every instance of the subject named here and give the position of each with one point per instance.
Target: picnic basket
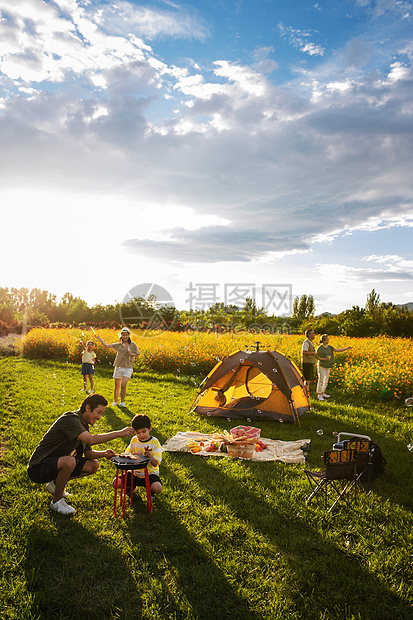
(239, 450)
(243, 441)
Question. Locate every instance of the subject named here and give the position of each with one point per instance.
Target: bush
(42, 343)
(10, 345)
(378, 368)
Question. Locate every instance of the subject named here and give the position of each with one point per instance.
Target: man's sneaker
(62, 508)
(326, 395)
(320, 397)
(122, 404)
(51, 487)
(91, 391)
(114, 404)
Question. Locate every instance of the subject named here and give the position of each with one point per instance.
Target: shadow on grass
(326, 582)
(71, 573)
(177, 560)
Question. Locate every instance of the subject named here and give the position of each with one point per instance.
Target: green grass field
(228, 539)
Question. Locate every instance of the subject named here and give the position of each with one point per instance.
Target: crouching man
(65, 451)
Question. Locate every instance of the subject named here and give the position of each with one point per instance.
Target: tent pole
(293, 410)
(194, 402)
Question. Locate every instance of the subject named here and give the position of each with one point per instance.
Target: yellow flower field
(378, 367)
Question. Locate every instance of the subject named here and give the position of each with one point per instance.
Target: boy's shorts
(87, 369)
(47, 470)
(120, 372)
(140, 482)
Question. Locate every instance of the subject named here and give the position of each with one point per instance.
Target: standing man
(65, 451)
(308, 358)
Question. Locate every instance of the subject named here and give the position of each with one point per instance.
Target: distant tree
(327, 324)
(221, 308)
(373, 305)
(20, 297)
(398, 322)
(78, 311)
(355, 322)
(250, 308)
(67, 299)
(137, 309)
(4, 295)
(99, 313)
(36, 318)
(6, 314)
(6, 306)
(41, 301)
(303, 307)
(21, 305)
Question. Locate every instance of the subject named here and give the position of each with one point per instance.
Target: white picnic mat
(277, 450)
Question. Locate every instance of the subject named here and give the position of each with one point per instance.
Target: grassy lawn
(228, 539)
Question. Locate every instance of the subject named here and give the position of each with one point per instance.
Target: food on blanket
(191, 444)
(225, 436)
(240, 437)
(247, 432)
(260, 446)
(275, 450)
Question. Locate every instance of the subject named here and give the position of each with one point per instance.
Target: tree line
(41, 309)
(21, 307)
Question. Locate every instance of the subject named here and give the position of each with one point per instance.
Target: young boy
(144, 444)
(88, 364)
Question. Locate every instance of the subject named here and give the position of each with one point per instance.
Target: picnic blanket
(277, 450)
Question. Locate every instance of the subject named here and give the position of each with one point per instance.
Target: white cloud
(218, 163)
(175, 21)
(48, 46)
(345, 275)
(379, 8)
(247, 79)
(39, 43)
(393, 262)
(398, 72)
(299, 38)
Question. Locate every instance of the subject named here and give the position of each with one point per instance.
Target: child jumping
(143, 444)
(88, 364)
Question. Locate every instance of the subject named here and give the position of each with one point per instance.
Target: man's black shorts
(308, 372)
(47, 470)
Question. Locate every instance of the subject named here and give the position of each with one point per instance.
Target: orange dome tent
(258, 385)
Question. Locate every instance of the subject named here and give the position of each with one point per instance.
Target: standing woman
(126, 353)
(325, 356)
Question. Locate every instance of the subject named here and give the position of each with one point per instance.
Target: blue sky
(204, 145)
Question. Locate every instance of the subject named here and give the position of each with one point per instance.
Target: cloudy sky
(218, 149)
